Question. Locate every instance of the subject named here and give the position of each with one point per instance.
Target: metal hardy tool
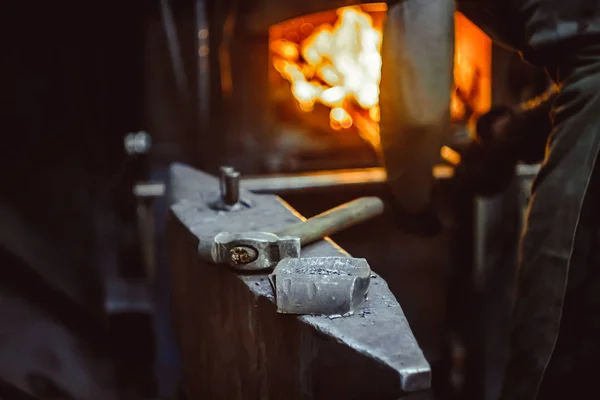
(255, 251)
(229, 191)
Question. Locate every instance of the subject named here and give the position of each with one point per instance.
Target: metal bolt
(242, 255)
(223, 171)
(230, 185)
(232, 188)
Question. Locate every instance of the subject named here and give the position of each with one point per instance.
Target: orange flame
(337, 63)
(338, 66)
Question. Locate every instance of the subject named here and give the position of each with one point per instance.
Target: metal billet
(253, 251)
(334, 286)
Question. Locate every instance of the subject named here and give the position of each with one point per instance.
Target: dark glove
(489, 160)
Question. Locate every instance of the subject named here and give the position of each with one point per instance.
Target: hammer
(256, 251)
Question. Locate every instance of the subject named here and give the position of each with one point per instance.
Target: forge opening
(329, 64)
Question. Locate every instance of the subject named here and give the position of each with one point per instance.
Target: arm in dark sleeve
(505, 136)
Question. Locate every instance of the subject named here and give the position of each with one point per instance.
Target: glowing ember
(338, 66)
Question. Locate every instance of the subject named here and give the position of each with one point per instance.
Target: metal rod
(232, 188)
(335, 220)
(291, 183)
(325, 180)
(223, 171)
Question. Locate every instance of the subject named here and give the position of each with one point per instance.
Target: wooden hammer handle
(335, 220)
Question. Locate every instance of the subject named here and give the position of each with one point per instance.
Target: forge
(314, 86)
(328, 65)
(331, 62)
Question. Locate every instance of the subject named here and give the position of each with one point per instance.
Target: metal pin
(232, 188)
(223, 171)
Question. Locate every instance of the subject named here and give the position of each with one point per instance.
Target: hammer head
(320, 285)
(253, 251)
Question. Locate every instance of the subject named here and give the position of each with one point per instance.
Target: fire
(338, 66)
(334, 59)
